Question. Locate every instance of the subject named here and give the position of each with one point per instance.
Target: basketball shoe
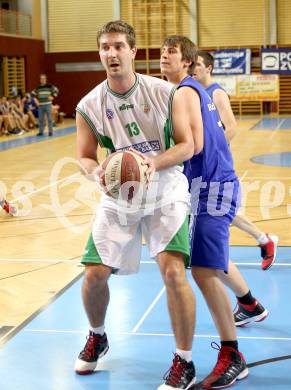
(230, 367)
(8, 208)
(181, 375)
(95, 347)
(244, 314)
(268, 251)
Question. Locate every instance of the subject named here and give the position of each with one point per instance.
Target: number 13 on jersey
(132, 129)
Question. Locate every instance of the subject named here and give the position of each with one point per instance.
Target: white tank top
(141, 119)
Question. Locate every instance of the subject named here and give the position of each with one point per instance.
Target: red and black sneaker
(180, 376)
(244, 314)
(230, 367)
(8, 207)
(96, 347)
(268, 251)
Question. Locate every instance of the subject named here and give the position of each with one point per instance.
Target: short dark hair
(207, 58)
(187, 47)
(118, 26)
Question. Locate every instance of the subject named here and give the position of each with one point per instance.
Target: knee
(200, 275)
(174, 275)
(204, 277)
(96, 276)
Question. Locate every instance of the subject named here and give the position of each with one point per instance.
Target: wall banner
(276, 61)
(258, 87)
(250, 87)
(232, 61)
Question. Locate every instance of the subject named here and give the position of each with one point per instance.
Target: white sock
(98, 330)
(186, 355)
(263, 239)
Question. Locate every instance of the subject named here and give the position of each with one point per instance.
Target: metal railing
(14, 22)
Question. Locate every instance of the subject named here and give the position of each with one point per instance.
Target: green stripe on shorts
(91, 255)
(180, 242)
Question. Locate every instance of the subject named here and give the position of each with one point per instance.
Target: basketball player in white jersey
(130, 110)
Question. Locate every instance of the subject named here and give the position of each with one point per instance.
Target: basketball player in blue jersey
(248, 309)
(214, 192)
(203, 73)
(114, 247)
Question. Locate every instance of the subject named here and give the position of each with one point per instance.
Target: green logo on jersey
(125, 107)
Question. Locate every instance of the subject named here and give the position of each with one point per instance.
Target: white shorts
(118, 238)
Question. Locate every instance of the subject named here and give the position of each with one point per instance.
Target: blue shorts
(209, 230)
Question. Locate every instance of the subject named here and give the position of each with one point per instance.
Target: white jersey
(139, 119)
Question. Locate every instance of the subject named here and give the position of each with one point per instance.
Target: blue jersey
(211, 88)
(214, 201)
(214, 163)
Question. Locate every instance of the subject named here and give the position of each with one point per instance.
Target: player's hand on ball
(151, 169)
(149, 162)
(99, 173)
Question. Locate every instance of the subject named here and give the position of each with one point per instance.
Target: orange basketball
(124, 174)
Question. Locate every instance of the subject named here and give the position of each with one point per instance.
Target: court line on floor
(40, 260)
(44, 187)
(18, 328)
(241, 178)
(271, 360)
(46, 217)
(154, 334)
(149, 309)
(142, 262)
(263, 177)
(278, 127)
(274, 265)
(31, 139)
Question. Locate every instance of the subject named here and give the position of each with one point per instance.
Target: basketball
(124, 174)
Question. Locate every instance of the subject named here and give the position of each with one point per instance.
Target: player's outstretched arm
(222, 103)
(184, 143)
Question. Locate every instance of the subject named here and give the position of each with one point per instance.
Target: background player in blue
(114, 246)
(211, 167)
(203, 73)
